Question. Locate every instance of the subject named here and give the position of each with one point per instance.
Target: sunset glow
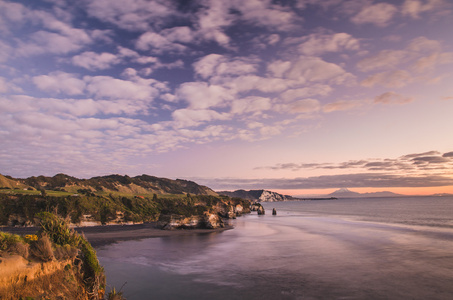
(300, 97)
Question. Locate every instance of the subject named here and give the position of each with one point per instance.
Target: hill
(8, 182)
(257, 195)
(345, 193)
(143, 184)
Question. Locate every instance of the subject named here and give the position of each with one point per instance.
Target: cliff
(55, 264)
(258, 195)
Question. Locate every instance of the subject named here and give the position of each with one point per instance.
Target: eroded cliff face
(39, 280)
(210, 220)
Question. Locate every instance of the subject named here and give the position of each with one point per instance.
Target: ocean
(367, 248)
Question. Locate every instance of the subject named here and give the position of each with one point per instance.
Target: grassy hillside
(116, 184)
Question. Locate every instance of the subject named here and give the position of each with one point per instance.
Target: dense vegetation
(19, 208)
(55, 241)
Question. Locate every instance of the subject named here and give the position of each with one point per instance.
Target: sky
(297, 96)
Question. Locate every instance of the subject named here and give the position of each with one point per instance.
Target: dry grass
(62, 284)
(42, 249)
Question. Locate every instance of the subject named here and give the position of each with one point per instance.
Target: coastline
(108, 234)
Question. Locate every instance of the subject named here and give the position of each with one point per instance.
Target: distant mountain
(345, 193)
(258, 195)
(143, 184)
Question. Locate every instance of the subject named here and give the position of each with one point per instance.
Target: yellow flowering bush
(31, 237)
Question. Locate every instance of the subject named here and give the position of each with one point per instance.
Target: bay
(376, 248)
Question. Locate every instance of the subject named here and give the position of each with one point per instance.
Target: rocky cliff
(258, 195)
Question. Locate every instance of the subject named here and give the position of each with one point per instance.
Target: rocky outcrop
(207, 220)
(258, 195)
(258, 208)
(274, 212)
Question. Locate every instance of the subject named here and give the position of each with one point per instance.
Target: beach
(107, 234)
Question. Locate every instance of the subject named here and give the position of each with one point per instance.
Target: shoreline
(108, 234)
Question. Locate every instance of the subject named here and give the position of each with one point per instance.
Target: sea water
(376, 248)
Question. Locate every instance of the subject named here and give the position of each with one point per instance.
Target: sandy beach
(103, 235)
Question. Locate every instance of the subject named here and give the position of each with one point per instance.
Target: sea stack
(261, 210)
(274, 212)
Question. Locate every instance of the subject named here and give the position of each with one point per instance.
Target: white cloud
(378, 14)
(219, 65)
(264, 13)
(157, 43)
(96, 61)
(200, 95)
(182, 34)
(250, 104)
(113, 88)
(317, 44)
(414, 8)
(60, 83)
(314, 69)
(135, 15)
(195, 117)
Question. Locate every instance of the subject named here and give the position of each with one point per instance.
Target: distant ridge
(143, 184)
(345, 193)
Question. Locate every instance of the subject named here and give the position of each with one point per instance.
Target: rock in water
(274, 212)
(261, 210)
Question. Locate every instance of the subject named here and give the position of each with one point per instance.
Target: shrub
(65, 252)
(57, 230)
(7, 240)
(42, 248)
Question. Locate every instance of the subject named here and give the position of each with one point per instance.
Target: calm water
(386, 248)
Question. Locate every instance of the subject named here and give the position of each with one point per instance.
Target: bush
(57, 230)
(42, 249)
(65, 252)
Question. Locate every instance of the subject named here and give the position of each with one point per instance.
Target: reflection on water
(302, 253)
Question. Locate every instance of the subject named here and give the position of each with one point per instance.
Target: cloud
(113, 88)
(305, 106)
(359, 180)
(385, 59)
(251, 104)
(133, 15)
(195, 117)
(378, 14)
(392, 98)
(200, 95)
(429, 62)
(414, 8)
(407, 163)
(430, 160)
(391, 79)
(342, 105)
(219, 65)
(312, 69)
(95, 61)
(309, 91)
(157, 43)
(448, 154)
(60, 83)
(317, 44)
